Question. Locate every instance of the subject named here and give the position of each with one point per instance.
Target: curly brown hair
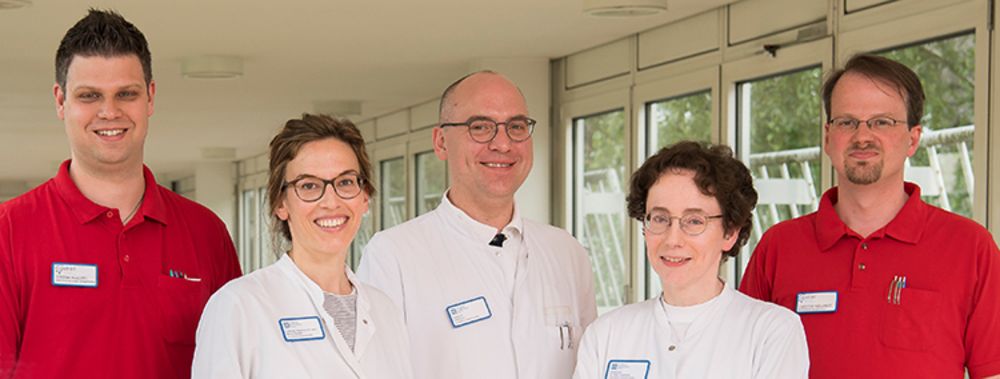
(717, 173)
(286, 145)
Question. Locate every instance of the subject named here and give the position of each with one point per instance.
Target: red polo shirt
(139, 320)
(948, 316)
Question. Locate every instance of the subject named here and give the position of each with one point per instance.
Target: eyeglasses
(876, 124)
(484, 130)
(692, 224)
(310, 188)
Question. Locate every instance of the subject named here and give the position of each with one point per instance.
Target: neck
(691, 295)
(326, 270)
(495, 212)
(867, 208)
(119, 188)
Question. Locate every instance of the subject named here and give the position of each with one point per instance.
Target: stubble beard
(864, 173)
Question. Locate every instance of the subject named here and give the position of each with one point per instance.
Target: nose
(673, 235)
(501, 142)
(109, 110)
(330, 198)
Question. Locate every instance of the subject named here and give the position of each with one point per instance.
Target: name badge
(468, 312)
(627, 369)
(74, 275)
(298, 329)
(816, 302)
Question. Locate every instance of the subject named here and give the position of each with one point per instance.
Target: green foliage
(687, 117)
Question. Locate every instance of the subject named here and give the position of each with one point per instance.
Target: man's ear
(440, 150)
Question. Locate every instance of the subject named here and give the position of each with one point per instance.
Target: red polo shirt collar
(905, 227)
(86, 211)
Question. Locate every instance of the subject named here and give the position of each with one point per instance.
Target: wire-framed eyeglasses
(310, 188)
(692, 224)
(484, 130)
(876, 124)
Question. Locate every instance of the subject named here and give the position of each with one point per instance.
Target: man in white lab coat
(485, 293)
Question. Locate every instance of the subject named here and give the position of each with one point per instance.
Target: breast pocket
(180, 302)
(909, 324)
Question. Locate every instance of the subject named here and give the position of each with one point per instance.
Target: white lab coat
(239, 335)
(443, 258)
(737, 337)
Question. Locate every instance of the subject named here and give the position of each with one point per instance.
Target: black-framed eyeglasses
(692, 224)
(310, 188)
(484, 130)
(876, 124)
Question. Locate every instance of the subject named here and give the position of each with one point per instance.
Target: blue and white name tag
(627, 369)
(816, 302)
(74, 275)
(468, 312)
(298, 329)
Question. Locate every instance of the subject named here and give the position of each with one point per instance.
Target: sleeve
(783, 352)
(219, 341)
(982, 336)
(755, 282)
(10, 324)
(588, 361)
(380, 269)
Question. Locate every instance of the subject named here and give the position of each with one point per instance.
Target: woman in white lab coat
(695, 204)
(306, 315)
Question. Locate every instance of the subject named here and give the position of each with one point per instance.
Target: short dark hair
(885, 70)
(102, 33)
(716, 173)
(286, 145)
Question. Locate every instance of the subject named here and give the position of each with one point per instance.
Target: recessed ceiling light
(14, 4)
(624, 8)
(212, 67)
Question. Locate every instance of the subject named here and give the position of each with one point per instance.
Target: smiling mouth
(331, 222)
(497, 165)
(675, 261)
(110, 132)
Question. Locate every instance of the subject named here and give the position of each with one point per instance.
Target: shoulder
(791, 228)
(408, 234)
(255, 286)
(187, 208)
(549, 235)
(765, 314)
(31, 203)
(625, 316)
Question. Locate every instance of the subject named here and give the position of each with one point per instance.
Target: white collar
(476, 230)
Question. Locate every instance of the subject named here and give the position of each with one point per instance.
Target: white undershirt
(680, 318)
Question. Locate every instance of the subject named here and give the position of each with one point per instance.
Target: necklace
(135, 208)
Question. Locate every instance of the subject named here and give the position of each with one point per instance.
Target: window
(681, 118)
(781, 117)
(432, 180)
(942, 166)
(393, 198)
(599, 188)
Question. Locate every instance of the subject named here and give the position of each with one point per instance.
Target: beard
(864, 172)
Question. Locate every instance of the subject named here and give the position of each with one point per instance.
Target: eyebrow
(342, 173)
(665, 210)
(135, 86)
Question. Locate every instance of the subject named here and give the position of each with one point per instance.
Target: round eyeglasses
(692, 224)
(484, 130)
(310, 188)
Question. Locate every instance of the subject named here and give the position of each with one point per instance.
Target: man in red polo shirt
(886, 285)
(104, 273)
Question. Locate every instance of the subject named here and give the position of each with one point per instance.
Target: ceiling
(388, 54)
